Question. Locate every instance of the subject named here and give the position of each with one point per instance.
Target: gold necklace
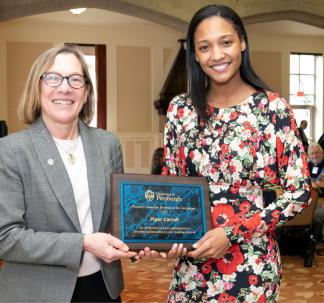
(71, 157)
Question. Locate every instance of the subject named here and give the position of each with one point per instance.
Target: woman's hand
(214, 244)
(176, 251)
(106, 247)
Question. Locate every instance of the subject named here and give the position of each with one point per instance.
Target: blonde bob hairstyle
(29, 108)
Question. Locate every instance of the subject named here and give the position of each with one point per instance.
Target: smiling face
(61, 105)
(315, 154)
(218, 50)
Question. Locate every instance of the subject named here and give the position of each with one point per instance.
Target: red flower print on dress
(275, 214)
(279, 147)
(232, 169)
(275, 218)
(164, 171)
(213, 170)
(253, 222)
(182, 160)
(245, 206)
(225, 298)
(253, 280)
(234, 115)
(256, 148)
(272, 96)
(228, 264)
(235, 222)
(269, 173)
(180, 112)
(192, 155)
(206, 268)
(224, 148)
(244, 182)
(247, 125)
(262, 299)
(252, 151)
(284, 161)
(234, 189)
(221, 214)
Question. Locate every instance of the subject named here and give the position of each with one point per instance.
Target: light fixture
(77, 11)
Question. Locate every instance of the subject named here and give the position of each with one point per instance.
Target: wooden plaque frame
(142, 200)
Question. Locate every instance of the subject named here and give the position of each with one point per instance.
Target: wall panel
(20, 57)
(134, 89)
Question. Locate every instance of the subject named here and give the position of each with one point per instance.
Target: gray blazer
(40, 234)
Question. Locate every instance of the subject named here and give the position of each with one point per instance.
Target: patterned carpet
(147, 281)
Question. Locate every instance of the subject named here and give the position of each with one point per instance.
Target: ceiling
(284, 28)
(92, 16)
(95, 16)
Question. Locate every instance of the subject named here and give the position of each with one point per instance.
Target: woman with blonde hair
(54, 191)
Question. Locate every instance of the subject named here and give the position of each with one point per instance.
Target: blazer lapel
(96, 173)
(54, 169)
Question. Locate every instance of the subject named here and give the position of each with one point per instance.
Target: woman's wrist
(86, 242)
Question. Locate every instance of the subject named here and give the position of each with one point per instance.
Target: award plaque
(156, 211)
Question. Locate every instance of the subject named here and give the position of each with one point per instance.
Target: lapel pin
(50, 162)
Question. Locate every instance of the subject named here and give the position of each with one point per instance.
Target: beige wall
(268, 66)
(133, 89)
(26, 38)
(20, 56)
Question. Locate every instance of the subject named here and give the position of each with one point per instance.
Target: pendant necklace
(73, 144)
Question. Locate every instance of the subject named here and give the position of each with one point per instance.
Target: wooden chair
(300, 231)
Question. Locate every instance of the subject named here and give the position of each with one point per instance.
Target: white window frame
(316, 109)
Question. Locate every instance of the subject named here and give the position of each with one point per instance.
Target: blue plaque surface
(157, 211)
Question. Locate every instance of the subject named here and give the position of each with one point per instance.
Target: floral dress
(243, 148)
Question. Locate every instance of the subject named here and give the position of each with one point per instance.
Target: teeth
(64, 102)
(221, 67)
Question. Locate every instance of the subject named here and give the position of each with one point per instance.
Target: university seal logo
(149, 195)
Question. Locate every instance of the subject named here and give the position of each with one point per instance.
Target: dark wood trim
(312, 54)
(101, 75)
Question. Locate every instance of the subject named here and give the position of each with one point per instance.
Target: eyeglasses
(55, 80)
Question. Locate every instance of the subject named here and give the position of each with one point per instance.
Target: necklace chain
(71, 157)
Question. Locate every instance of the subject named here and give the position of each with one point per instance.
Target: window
(306, 91)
